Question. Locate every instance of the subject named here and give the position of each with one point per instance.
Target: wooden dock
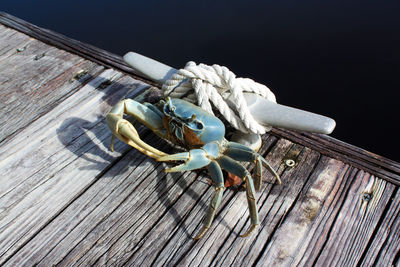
(66, 199)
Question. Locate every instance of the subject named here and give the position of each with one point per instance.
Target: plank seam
(374, 234)
(141, 158)
(176, 229)
(284, 216)
(62, 209)
(345, 193)
(385, 169)
(108, 215)
(53, 106)
(167, 210)
(270, 147)
(396, 258)
(344, 169)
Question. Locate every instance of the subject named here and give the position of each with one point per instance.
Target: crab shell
(191, 126)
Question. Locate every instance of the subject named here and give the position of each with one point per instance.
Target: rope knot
(218, 85)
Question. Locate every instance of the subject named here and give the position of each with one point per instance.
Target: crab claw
(124, 130)
(194, 159)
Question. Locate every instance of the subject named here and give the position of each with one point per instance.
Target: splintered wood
(66, 199)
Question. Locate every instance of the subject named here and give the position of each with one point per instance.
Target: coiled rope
(215, 84)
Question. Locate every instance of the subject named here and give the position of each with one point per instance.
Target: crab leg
(124, 130)
(258, 180)
(218, 180)
(242, 153)
(235, 168)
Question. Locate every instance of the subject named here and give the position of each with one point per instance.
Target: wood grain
(35, 80)
(360, 158)
(66, 153)
(384, 248)
(12, 42)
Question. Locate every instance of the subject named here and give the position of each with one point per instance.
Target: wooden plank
(384, 247)
(223, 241)
(128, 217)
(102, 205)
(376, 165)
(385, 168)
(339, 231)
(66, 153)
(146, 200)
(173, 232)
(11, 41)
(128, 204)
(35, 80)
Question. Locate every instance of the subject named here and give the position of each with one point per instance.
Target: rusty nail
(37, 57)
(104, 84)
(367, 197)
(21, 49)
(80, 74)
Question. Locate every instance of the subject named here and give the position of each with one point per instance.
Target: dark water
(336, 58)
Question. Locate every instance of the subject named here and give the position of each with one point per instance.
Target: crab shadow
(90, 139)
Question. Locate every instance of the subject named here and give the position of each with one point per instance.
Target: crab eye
(196, 125)
(199, 125)
(168, 110)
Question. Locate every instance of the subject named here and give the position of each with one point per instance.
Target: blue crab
(203, 135)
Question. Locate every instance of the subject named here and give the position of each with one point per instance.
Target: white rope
(215, 84)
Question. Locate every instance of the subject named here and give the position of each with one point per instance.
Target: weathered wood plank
(171, 238)
(384, 247)
(49, 136)
(136, 219)
(355, 225)
(377, 165)
(12, 41)
(139, 204)
(66, 154)
(223, 246)
(122, 231)
(338, 235)
(107, 197)
(35, 80)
